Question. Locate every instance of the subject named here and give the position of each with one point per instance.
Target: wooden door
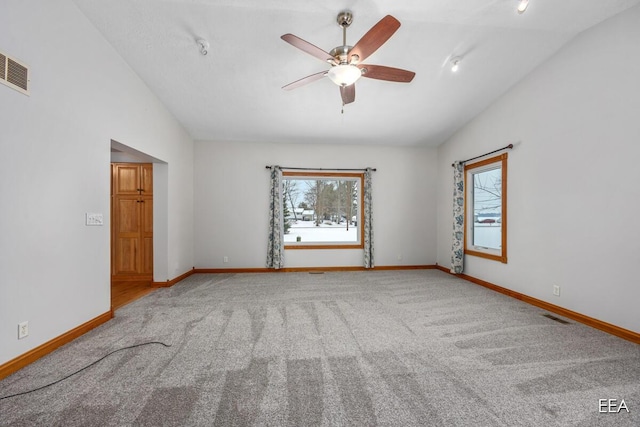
(146, 235)
(132, 221)
(126, 179)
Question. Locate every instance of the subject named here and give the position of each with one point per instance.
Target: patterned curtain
(368, 221)
(457, 250)
(275, 248)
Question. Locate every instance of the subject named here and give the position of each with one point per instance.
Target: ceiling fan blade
(380, 72)
(348, 93)
(375, 37)
(311, 49)
(305, 80)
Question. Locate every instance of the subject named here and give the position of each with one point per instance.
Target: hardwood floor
(124, 292)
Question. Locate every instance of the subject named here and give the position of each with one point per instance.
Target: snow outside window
(322, 210)
(486, 208)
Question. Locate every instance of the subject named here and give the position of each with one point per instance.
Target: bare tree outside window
(331, 209)
(486, 208)
(290, 190)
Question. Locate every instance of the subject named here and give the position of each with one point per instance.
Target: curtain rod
(510, 146)
(321, 169)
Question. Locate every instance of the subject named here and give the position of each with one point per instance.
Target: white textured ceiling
(234, 93)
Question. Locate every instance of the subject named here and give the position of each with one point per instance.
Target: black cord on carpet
(88, 366)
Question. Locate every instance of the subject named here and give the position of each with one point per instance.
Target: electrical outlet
(556, 290)
(23, 330)
(225, 259)
(399, 257)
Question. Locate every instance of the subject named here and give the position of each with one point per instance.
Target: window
(322, 210)
(486, 208)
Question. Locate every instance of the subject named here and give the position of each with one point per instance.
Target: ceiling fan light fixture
(343, 59)
(344, 74)
(522, 6)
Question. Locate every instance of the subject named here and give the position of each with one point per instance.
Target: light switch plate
(94, 219)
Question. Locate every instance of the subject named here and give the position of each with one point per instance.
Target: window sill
(502, 259)
(324, 246)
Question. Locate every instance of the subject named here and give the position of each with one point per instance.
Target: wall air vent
(14, 74)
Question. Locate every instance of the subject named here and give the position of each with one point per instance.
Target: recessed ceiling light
(455, 64)
(523, 6)
(204, 46)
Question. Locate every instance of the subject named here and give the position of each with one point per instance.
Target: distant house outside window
(486, 208)
(322, 210)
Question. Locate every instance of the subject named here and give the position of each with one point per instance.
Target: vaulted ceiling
(234, 93)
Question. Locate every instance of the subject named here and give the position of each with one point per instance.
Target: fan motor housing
(341, 53)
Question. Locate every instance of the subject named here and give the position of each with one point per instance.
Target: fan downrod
(340, 53)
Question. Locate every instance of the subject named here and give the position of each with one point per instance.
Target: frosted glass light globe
(344, 74)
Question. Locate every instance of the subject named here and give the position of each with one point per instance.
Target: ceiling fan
(346, 61)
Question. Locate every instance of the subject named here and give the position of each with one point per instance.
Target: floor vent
(557, 319)
(14, 74)
(316, 272)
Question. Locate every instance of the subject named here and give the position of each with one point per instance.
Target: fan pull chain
(342, 111)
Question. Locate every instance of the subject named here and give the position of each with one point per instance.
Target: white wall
(232, 195)
(54, 270)
(573, 196)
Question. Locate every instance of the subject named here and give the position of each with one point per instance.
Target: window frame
(334, 176)
(469, 171)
